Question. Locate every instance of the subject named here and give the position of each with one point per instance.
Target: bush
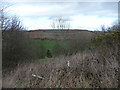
(15, 46)
(106, 42)
(86, 70)
(49, 54)
(107, 39)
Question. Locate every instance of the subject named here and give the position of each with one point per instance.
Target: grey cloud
(98, 8)
(67, 9)
(86, 8)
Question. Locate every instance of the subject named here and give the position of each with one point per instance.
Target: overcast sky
(81, 15)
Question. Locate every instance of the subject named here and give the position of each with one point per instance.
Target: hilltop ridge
(59, 30)
(59, 34)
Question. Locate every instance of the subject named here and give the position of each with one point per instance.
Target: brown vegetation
(86, 70)
(59, 35)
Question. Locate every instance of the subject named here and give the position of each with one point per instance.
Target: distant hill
(59, 34)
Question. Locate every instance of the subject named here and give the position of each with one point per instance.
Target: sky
(81, 15)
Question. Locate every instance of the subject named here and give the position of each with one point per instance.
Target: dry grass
(87, 70)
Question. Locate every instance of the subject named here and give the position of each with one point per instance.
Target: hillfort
(50, 34)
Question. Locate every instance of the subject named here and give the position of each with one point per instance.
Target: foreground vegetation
(76, 63)
(95, 67)
(86, 70)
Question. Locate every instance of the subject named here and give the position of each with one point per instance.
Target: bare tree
(9, 23)
(4, 20)
(103, 28)
(60, 23)
(15, 47)
(115, 27)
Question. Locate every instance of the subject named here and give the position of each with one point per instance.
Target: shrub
(107, 39)
(86, 70)
(108, 42)
(15, 47)
(49, 54)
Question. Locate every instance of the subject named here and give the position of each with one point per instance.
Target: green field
(48, 44)
(40, 47)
